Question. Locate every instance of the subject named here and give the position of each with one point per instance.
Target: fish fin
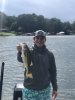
(29, 75)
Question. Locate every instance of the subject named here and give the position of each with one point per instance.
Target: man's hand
(54, 94)
(19, 48)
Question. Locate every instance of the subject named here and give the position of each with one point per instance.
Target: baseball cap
(40, 33)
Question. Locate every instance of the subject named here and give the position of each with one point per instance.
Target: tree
(14, 27)
(67, 28)
(2, 20)
(73, 27)
(40, 22)
(10, 20)
(54, 25)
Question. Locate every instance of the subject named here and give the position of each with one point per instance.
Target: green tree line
(28, 23)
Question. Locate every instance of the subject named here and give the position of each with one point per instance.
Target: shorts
(28, 94)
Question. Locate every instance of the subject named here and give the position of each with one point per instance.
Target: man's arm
(53, 73)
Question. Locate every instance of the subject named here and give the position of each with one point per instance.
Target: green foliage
(9, 21)
(7, 34)
(27, 23)
(73, 27)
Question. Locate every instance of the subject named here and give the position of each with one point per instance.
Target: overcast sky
(61, 9)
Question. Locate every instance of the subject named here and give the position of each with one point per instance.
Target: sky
(61, 9)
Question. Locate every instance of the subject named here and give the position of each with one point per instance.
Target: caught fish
(26, 59)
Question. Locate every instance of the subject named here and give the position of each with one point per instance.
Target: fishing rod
(1, 79)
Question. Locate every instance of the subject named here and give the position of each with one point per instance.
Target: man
(43, 69)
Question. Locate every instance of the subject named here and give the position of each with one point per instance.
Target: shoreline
(7, 34)
(13, 34)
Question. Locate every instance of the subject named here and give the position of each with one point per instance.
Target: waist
(36, 87)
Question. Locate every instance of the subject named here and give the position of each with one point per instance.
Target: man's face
(39, 40)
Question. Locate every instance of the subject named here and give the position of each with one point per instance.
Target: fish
(26, 59)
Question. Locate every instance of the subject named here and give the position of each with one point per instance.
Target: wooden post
(1, 79)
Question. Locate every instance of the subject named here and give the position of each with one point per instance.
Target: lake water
(63, 48)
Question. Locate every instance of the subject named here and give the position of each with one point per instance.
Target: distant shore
(14, 34)
(7, 34)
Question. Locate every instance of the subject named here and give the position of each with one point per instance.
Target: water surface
(63, 48)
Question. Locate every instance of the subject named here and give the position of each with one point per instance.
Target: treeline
(28, 23)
